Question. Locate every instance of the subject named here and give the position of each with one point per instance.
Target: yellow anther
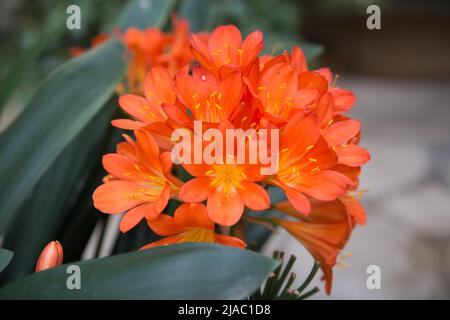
(312, 159)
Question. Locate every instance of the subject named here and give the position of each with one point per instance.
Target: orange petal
(147, 150)
(324, 185)
(116, 196)
(343, 99)
(164, 225)
(342, 131)
(298, 60)
(192, 215)
(251, 47)
(163, 242)
(159, 87)
(128, 124)
(161, 203)
(254, 196)
(195, 190)
(230, 241)
(300, 133)
(132, 217)
(223, 44)
(298, 200)
(352, 155)
(324, 108)
(326, 73)
(121, 167)
(140, 108)
(225, 208)
(354, 208)
(201, 53)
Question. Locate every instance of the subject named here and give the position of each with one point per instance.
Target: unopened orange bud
(50, 257)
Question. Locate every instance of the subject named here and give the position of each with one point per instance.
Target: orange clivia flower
(324, 232)
(343, 99)
(227, 187)
(207, 98)
(279, 93)
(306, 163)
(190, 223)
(50, 257)
(140, 181)
(225, 51)
(158, 89)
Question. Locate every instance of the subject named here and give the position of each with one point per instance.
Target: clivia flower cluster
(223, 81)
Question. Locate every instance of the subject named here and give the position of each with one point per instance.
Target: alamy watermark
(235, 147)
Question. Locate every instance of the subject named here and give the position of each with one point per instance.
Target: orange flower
(207, 98)
(50, 257)
(324, 232)
(190, 223)
(343, 99)
(227, 189)
(140, 181)
(225, 50)
(279, 93)
(158, 89)
(306, 164)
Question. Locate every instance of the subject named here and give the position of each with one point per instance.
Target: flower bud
(50, 257)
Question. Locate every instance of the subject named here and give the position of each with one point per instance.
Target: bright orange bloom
(279, 93)
(50, 257)
(306, 163)
(158, 89)
(227, 189)
(225, 50)
(190, 223)
(140, 181)
(207, 98)
(324, 232)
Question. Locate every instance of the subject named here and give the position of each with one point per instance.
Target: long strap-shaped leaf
(60, 109)
(182, 271)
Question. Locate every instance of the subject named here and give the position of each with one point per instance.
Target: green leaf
(63, 105)
(146, 13)
(49, 210)
(182, 271)
(5, 258)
